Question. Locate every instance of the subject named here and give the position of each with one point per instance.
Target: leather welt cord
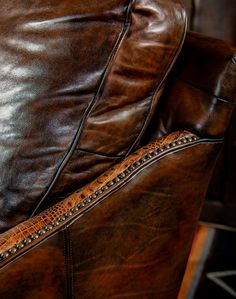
(28, 234)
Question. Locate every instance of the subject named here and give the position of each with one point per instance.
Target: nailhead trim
(93, 196)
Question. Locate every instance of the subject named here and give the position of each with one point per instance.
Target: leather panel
(133, 80)
(132, 86)
(185, 106)
(81, 169)
(213, 62)
(135, 243)
(26, 230)
(39, 274)
(52, 55)
(201, 101)
(124, 245)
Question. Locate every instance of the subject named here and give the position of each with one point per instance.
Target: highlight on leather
(74, 75)
(197, 98)
(130, 89)
(29, 233)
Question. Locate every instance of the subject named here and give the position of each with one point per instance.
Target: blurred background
(211, 271)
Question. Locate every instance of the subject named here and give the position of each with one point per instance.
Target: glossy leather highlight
(123, 245)
(200, 93)
(48, 79)
(68, 81)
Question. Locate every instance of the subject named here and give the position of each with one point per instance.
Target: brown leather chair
(107, 142)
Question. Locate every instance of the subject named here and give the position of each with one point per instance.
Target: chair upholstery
(67, 118)
(218, 19)
(108, 142)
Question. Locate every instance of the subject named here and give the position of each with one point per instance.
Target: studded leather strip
(29, 233)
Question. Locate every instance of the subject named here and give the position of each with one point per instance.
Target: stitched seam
(75, 140)
(68, 264)
(147, 119)
(99, 154)
(91, 201)
(220, 98)
(65, 289)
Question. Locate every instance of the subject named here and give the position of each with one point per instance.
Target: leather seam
(219, 98)
(99, 154)
(65, 289)
(85, 207)
(68, 264)
(158, 87)
(76, 137)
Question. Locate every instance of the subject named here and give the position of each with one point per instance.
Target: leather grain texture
(131, 88)
(76, 74)
(218, 19)
(136, 243)
(49, 76)
(83, 84)
(200, 97)
(28, 228)
(39, 274)
(200, 94)
(123, 246)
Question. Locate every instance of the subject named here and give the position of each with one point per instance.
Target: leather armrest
(201, 92)
(209, 64)
(129, 218)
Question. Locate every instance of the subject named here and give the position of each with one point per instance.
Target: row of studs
(151, 154)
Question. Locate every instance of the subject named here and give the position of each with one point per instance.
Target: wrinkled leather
(28, 278)
(122, 243)
(200, 95)
(76, 75)
(49, 75)
(29, 227)
(128, 96)
(218, 19)
(123, 246)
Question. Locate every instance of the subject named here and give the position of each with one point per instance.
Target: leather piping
(74, 142)
(169, 68)
(62, 222)
(219, 98)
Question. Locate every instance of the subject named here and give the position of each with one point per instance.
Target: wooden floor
(200, 250)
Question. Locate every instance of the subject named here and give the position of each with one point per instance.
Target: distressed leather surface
(200, 95)
(78, 79)
(120, 245)
(29, 227)
(123, 246)
(137, 246)
(218, 19)
(130, 92)
(39, 274)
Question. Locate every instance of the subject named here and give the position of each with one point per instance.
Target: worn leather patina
(117, 245)
(109, 135)
(218, 19)
(79, 82)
